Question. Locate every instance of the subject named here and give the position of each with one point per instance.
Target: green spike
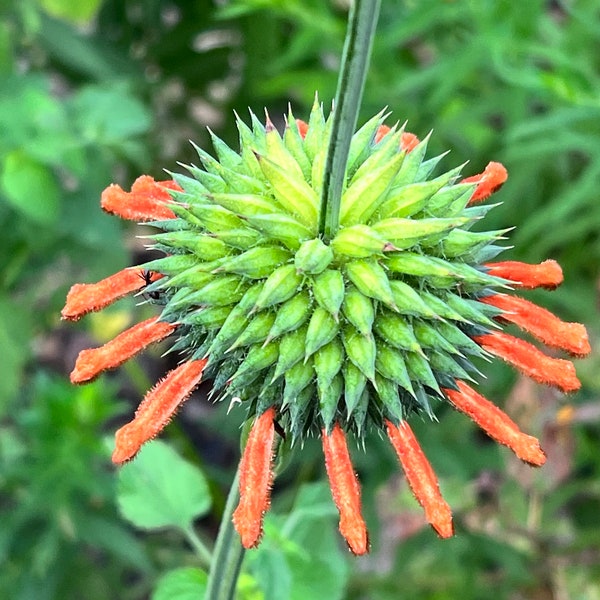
(358, 310)
(207, 318)
(213, 217)
(360, 350)
(327, 361)
(313, 257)
(291, 350)
(278, 153)
(396, 331)
(322, 328)
(246, 205)
(328, 290)
(388, 394)
(211, 182)
(317, 171)
(221, 291)
(408, 200)
(299, 411)
(405, 233)
(329, 397)
(290, 315)
(410, 166)
(291, 191)
(282, 227)
(359, 241)
(428, 336)
(242, 239)
(390, 363)
(171, 265)
(295, 145)
(249, 144)
(442, 363)
(360, 146)
(365, 194)
(203, 246)
(354, 385)
(282, 284)
(296, 379)
(412, 263)
(255, 263)
(256, 332)
(359, 414)
(314, 139)
(227, 157)
(258, 358)
(420, 371)
(471, 310)
(370, 278)
(382, 153)
(451, 200)
(190, 185)
(408, 301)
(439, 307)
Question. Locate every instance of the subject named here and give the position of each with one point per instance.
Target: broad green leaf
(160, 489)
(187, 583)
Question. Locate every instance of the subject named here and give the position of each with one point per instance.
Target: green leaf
(30, 188)
(72, 10)
(187, 583)
(160, 489)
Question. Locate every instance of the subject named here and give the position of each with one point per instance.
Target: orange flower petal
(92, 362)
(345, 490)
(530, 361)
(256, 477)
(541, 323)
(302, 127)
(157, 408)
(496, 423)
(547, 274)
(147, 200)
(488, 182)
(86, 297)
(421, 477)
(408, 140)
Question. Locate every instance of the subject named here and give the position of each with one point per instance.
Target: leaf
(160, 489)
(187, 583)
(30, 188)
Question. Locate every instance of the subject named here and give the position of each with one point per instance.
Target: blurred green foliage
(95, 91)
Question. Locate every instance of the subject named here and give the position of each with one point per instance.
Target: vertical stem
(228, 554)
(351, 82)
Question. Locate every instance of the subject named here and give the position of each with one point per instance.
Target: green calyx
(367, 327)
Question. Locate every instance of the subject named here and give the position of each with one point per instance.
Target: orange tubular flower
(421, 478)
(92, 362)
(256, 478)
(529, 360)
(345, 489)
(496, 423)
(547, 274)
(541, 323)
(488, 182)
(87, 297)
(327, 338)
(147, 201)
(157, 409)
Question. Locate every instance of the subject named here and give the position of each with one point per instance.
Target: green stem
(228, 554)
(351, 82)
(201, 550)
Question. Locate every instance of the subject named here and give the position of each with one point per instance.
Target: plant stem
(201, 550)
(228, 554)
(351, 82)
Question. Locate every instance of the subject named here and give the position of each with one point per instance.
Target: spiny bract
(365, 327)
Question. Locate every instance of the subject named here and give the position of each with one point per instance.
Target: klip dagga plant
(328, 339)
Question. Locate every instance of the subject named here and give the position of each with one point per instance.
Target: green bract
(367, 327)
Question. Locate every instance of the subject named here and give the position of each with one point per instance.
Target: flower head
(327, 338)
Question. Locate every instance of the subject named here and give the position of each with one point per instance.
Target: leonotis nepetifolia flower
(327, 337)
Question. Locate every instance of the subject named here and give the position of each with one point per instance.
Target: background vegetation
(95, 91)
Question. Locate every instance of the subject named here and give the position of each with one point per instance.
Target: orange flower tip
(444, 527)
(302, 127)
(488, 182)
(127, 444)
(88, 297)
(409, 141)
(147, 200)
(529, 451)
(358, 541)
(547, 274)
(249, 530)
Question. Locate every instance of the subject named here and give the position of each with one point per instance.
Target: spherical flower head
(328, 337)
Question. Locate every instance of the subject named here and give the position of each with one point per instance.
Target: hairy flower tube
(329, 338)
